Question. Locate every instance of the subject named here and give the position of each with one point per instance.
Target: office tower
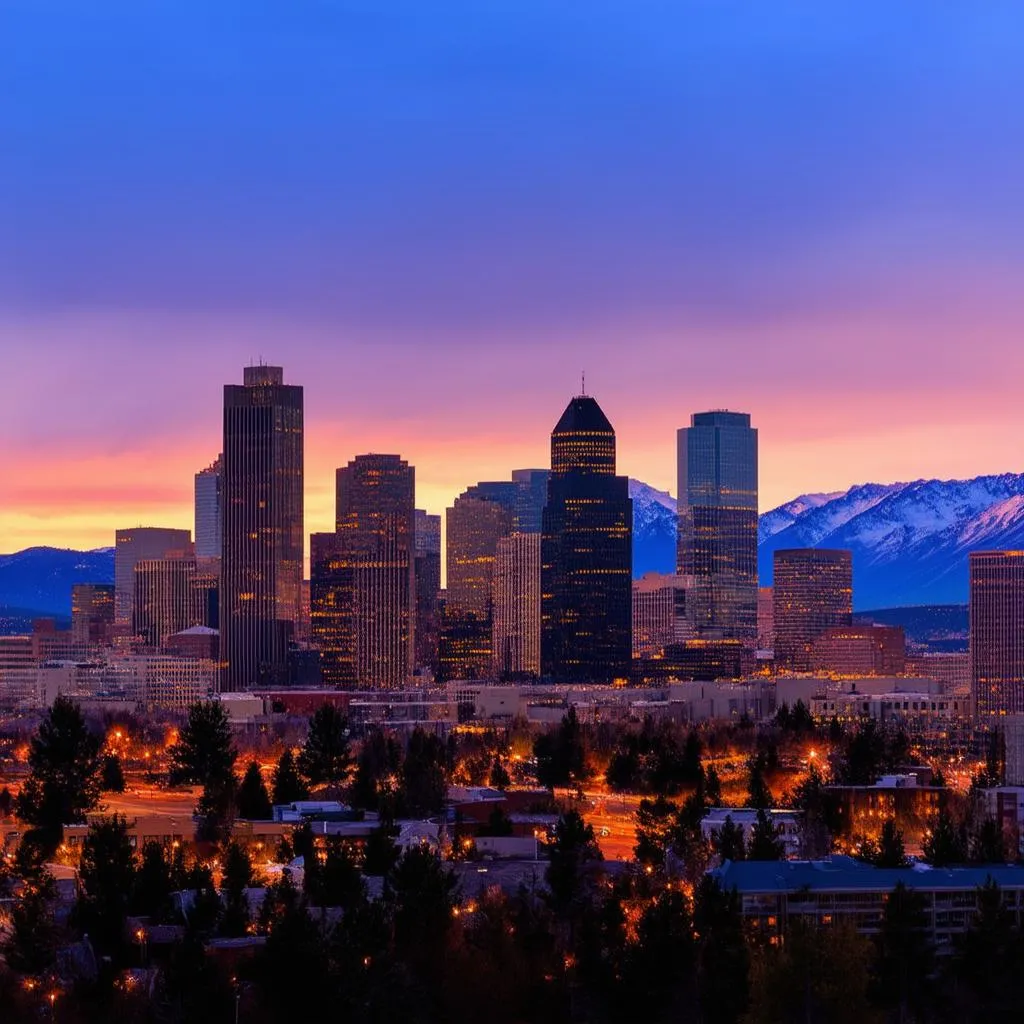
(375, 560)
(586, 553)
(167, 599)
(813, 592)
(92, 613)
(132, 546)
(860, 651)
(477, 520)
(515, 633)
(717, 544)
(531, 496)
(208, 511)
(428, 589)
(765, 619)
(262, 538)
(332, 610)
(659, 614)
(997, 634)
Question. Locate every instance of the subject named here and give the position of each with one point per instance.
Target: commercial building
(953, 669)
(262, 535)
(428, 591)
(17, 672)
(717, 544)
(586, 553)
(167, 599)
(997, 633)
(765, 619)
(517, 606)
(812, 592)
(92, 613)
(131, 547)
(860, 651)
(209, 509)
(841, 889)
(659, 613)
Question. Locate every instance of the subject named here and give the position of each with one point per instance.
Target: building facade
(517, 607)
(586, 553)
(92, 613)
(717, 543)
(812, 592)
(208, 509)
(132, 546)
(659, 614)
(997, 633)
(167, 599)
(860, 651)
(262, 535)
(428, 591)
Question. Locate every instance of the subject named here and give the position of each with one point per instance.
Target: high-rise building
(515, 632)
(659, 614)
(477, 520)
(167, 599)
(997, 633)
(332, 610)
(586, 553)
(428, 589)
(765, 618)
(860, 651)
(374, 567)
(132, 546)
(92, 613)
(531, 497)
(262, 536)
(812, 592)
(208, 510)
(717, 544)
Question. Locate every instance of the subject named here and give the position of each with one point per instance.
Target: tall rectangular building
(717, 544)
(167, 599)
(586, 553)
(208, 511)
(515, 629)
(813, 592)
(262, 536)
(363, 585)
(997, 634)
(132, 546)
(428, 590)
(92, 613)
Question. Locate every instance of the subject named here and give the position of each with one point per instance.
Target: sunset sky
(435, 213)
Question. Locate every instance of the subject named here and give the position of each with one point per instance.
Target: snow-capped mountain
(910, 541)
(654, 529)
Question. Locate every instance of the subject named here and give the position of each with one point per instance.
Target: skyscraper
(167, 599)
(376, 535)
(516, 606)
(262, 537)
(717, 545)
(586, 553)
(92, 613)
(813, 592)
(531, 496)
(477, 520)
(208, 512)
(428, 589)
(997, 634)
(132, 546)
(332, 610)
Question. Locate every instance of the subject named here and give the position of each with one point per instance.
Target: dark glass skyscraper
(997, 634)
(586, 553)
(262, 537)
(717, 546)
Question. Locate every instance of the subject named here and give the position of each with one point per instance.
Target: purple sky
(435, 215)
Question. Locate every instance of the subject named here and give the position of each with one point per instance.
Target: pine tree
(107, 879)
(764, 841)
(253, 799)
(238, 876)
(204, 753)
(728, 841)
(325, 759)
(891, 853)
(289, 786)
(946, 844)
(112, 775)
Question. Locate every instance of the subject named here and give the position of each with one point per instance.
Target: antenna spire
(583, 382)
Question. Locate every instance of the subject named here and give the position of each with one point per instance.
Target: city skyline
(514, 198)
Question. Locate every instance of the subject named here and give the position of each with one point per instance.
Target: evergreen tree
(499, 778)
(728, 841)
(764, 841)
(337, 882)
(378, 773)
(237, 877)
(31, 943)
(6, 802)
(380, 853)
(204, 754)
(561, 754)
(759, 796)
(424, 781)
(656, 823)
(946, 843)
(988, 844)
(573, 847)
(424, 893)
(111, 774)
(820, 815)
(325, 758)
(288, 784)
(723, 962)
(215, 812)
(64, 782)
(106, 879)
(253, 799)
(712, 787)
(891, 853)
(905, 956)
(152, 894)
